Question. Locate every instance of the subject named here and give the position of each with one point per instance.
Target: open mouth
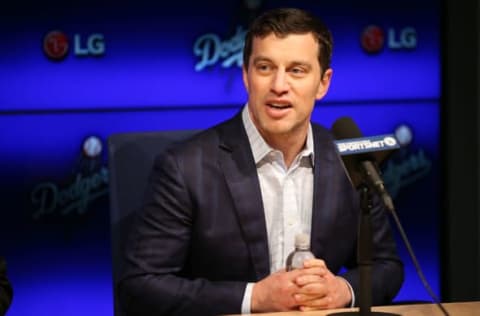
(279, 106)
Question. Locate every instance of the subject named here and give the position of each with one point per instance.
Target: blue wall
(54, 227)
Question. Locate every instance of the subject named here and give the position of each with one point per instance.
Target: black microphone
(362, 167)
(361, 158)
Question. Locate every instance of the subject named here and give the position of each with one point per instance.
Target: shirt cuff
(352, 303)
(247, 299)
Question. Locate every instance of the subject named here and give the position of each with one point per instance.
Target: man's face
(283, 81)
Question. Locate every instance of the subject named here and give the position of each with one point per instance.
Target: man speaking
(222, 208)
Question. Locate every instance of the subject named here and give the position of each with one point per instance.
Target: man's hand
(275, 292)
(311, 288)
(318, 288)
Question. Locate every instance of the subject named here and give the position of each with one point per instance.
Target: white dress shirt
(287, 196)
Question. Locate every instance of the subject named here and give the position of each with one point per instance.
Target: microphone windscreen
(345, 127)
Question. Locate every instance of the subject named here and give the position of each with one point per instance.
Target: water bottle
(301, 253)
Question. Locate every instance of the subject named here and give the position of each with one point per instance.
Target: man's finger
(314, 263)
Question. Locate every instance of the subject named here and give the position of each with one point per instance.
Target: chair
(130, 159)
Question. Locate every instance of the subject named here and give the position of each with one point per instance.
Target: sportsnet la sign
(366, 144)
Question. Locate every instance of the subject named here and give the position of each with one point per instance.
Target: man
(223, 208)
(6, 292)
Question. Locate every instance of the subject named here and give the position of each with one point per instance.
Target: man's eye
(263, 67)
(297, 70)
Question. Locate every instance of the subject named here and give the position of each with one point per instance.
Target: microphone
(361, 156)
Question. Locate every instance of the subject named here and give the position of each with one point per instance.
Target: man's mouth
(279, 106)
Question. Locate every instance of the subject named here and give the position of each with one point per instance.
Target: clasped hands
(311, 288)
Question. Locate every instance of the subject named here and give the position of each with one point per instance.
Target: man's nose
(280, 83)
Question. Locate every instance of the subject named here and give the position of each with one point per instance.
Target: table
(454, 309)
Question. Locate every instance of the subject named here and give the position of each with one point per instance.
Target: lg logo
(373, 38)
(56, 45)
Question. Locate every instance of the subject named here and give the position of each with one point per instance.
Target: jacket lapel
(324, 190)
(236, 161)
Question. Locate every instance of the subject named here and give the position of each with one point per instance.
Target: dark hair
(285, 21)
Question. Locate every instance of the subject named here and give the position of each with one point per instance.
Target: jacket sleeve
(6, 291)
(155, 279)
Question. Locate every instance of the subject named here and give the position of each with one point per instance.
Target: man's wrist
(258, 299)
(351, 301)
(254, 302)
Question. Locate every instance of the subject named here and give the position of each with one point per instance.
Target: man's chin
(279, 129)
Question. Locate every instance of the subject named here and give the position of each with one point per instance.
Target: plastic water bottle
(301, 253)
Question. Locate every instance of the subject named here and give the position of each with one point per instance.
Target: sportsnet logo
(366, 144)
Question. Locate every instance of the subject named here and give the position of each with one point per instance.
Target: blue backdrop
(134, 66)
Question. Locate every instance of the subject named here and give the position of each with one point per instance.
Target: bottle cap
(302, 241)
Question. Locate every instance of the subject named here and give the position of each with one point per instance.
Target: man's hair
(286, 21)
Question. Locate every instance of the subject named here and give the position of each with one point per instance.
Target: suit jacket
(6, 292)
(201, 235)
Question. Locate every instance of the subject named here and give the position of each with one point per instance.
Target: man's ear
(324, 83)
(244, 77)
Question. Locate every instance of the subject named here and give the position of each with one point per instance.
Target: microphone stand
(364, 258)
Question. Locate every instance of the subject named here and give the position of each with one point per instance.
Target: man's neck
(289, 144)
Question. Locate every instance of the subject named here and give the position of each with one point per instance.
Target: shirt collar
(260, 148)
